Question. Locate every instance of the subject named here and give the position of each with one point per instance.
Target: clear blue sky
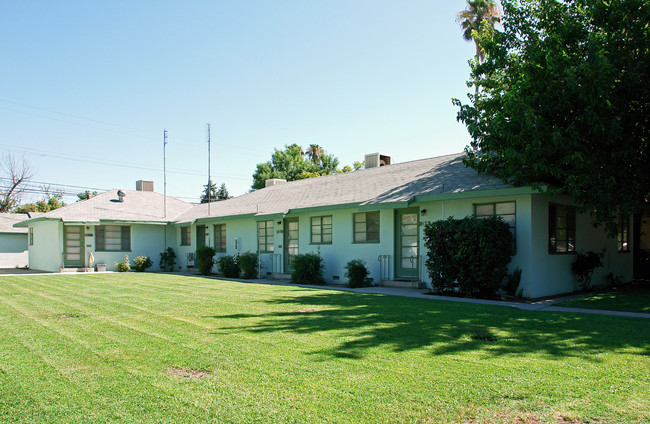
(88, 87)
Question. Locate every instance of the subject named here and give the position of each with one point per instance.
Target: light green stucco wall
(549, 274)
(146, 240)
(13, 242)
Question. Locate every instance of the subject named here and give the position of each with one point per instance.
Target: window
(220, 238)
(186, 236)
(504, 210)
(321, 230)
(31, 236)
(623, 233)
(265, 236)
(561, 229)
(366, 227)
(114, 238)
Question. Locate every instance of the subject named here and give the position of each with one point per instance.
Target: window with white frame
(31, 236)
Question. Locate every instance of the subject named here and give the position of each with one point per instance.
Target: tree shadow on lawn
(364, 321)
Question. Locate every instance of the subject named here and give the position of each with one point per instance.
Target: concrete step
(402, 284)
(77, 270)
(280, 276)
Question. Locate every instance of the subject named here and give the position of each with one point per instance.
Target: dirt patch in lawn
(185, 372)
(62, 315)
(307, 310)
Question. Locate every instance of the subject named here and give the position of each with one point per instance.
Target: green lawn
(167, 349)
(629, 297)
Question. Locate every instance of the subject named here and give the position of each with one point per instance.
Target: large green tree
(293, 163)
(564, 101)
(51, 200)
(216, 194)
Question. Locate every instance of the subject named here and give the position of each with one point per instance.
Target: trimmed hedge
(248, 264)
(468, 256)
(356, 273)
(228, 266)
(204, 255)
(308, 268)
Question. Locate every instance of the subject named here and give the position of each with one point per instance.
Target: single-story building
(375, 214)
(13, 241)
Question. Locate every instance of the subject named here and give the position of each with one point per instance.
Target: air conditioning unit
(374, 160)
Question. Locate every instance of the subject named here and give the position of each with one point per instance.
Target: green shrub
(308, 269)
(584, 267)
(468, 256)
(228, 266)
(141, 263)
(168, 260)
(357, 273)
(204, 255)
(124, 265)
(248, 264)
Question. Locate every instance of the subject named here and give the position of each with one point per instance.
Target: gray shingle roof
(399, 182)
(138, 206)
(7, 221)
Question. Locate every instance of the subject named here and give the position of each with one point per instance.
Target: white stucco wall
(46, 254)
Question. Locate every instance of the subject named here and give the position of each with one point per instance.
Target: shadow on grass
(362, 322)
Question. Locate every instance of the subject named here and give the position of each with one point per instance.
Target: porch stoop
(403, 284)
(76, 270)
(280, 276)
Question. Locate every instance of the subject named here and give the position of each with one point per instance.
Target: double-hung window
(321, 230)
(623, 239)
(504, 210)
(366, 227)
(561, 229)
(113, 238)
(265, 236)
(186, 236)
(220, 238)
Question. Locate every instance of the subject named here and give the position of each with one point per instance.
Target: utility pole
(209, 188)
(165, 183)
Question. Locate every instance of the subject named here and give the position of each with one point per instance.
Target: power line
(88, 159)
(150, 134)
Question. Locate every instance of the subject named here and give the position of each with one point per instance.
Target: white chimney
(142, 185)
(374, 160)
(274, 181)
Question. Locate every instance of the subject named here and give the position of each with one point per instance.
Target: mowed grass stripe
(77, 377)
(358, 358)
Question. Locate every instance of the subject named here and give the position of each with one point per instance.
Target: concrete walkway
(540, 305)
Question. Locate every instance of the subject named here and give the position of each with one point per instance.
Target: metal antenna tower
(165, 182)
(209, 188)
